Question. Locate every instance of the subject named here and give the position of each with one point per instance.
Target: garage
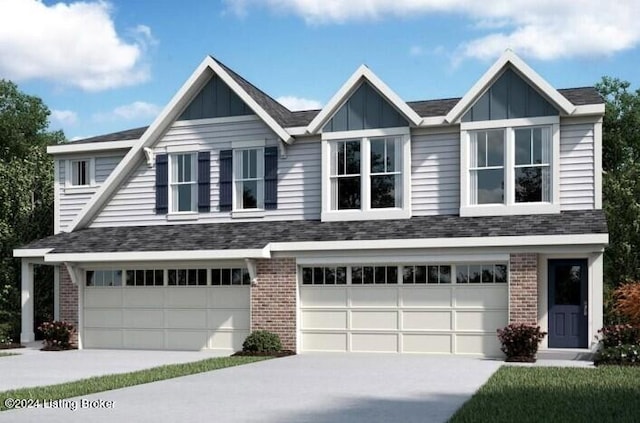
(447, 308)
(174, 309)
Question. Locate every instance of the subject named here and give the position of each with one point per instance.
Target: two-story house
(372, 225)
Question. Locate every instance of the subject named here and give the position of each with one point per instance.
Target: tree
(26, 194)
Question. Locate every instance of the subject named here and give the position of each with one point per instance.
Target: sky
(105, 66)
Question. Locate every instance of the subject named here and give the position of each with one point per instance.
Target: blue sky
(107, 66)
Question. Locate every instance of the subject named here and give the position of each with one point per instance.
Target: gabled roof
(510, 59)
(363, 73)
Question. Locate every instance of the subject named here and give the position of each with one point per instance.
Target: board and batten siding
(435, 173)
(298, 176)
(72, 201)
(577, 182)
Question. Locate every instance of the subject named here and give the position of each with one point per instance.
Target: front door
(568, 303)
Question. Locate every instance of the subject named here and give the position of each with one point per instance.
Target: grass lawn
(546, 394)
(4, 354)
(109, 382)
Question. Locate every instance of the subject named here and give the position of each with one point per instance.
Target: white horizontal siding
(104, 167)
(576, 166)
(298, 177)
(435, 174)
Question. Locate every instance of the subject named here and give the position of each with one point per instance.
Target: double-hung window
(249, 179)
(366, 176)
(80, 173)
(533, 165)
(487, 167)
(183, 183)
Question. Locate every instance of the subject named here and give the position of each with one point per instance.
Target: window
(145, 277)
(228, 277)
(324, 275)
(481, 273)
(80, 173)
(533, 165)
(187, 277)
(249, 179)
(374, 275)
(487, 167)
(103, 277)
(365, 176)
(183, 183)
(426, 274)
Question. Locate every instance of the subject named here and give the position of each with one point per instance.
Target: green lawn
(546, 394)
(4, 354)
(109, 382)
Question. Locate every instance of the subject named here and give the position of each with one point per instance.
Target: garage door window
(153, 277)
(187, 277)
(324, 275)
(426, 274)
(229, 277)
(481, 273)
(374, 275)
(104, 277)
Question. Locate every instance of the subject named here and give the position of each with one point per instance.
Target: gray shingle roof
(256, 235)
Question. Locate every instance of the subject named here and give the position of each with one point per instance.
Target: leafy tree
(26, 195)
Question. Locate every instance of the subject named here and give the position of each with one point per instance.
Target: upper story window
(366, 176)
(80, 173)
(183, 183)
(249, 179)
(512, 169)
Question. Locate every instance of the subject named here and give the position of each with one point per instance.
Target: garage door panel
(102, 338)
(231, 341)
(481, 296)
(477, 344)
(103, 318)
(141, 318)
(368, 296)
(486, 321)
(144, 339)
(186, 297)
(426, 343)
(186, 319)
(228, 319)
(312, 341)
(419, 320)
(374, 342)
(143, 297)
(229, 297)
(187, 339)
(426, 296)
(324, 319)
(323, 297)
(372, 320)
(102, 297)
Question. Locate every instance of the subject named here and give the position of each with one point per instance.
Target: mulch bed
(520, 360)
(10, 346)
(283, 353)
(57, 349)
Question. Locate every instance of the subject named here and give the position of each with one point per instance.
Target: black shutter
(204, 181)
(226, 179)
(271, 178)
(162, 184)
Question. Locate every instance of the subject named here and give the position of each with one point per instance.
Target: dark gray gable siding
(365, 109)
(510, 97)
(215, 100)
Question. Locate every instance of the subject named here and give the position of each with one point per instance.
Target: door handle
(586, 309)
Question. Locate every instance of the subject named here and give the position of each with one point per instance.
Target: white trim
(81, 189)
(68, 176)
(401, 259)
(347, 89)
(297, 131)
(248, 144)
(90, 147)
(215, 120)
(503, 123)
(182, 148)
(247, 213)
(27, 301)
(56, 292)
(366, 133)
(178, 216)
(252, 268)
(509, 210)
(31, 252)
(56, 196)
(597, 163)
(589, 109)
(169, 114)
(509, 58)
(154, 256)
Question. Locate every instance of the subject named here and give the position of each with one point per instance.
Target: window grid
(230, 276)
(481, 273)
(183, 182)
(80, 173)
(423, 274)
(103, 278)
(324, 275)
(483, 165)
(536, 160)
(384, 174)
(249, 178)
(346, 167)
(187, 277)
(144, 277)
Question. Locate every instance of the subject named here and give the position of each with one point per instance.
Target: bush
(616, 335)
(6, 334)
(262, 341)
(520, 341)
(627, 302)
(57, 335)
(10, 311)
(626, 354)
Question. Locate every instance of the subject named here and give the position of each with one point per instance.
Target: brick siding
(273, 299)
(523, 293)
(68, 301)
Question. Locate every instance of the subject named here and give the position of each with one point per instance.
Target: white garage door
(398, 315)
(163, 316)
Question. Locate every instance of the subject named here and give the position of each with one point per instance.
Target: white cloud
(416, 51)
(64, 117)
(298, 103)
(133, 111)
(542, 29)
(72, 44)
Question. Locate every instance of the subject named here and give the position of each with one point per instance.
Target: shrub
(616, 335)
(626, 354)
(627, 301)
(262, 341)
(520, 341)
(57, 335)
(6, 334)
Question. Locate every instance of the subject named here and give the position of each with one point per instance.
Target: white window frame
(403, 157)
(91, 177)
(509, 207)
(174, 184)
(237, 179)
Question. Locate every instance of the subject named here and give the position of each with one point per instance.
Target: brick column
(68, 301)
(523, 289)
(273, 299)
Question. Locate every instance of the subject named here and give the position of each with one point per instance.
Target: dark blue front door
(568, 303)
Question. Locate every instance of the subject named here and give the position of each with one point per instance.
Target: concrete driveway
(305, 388)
